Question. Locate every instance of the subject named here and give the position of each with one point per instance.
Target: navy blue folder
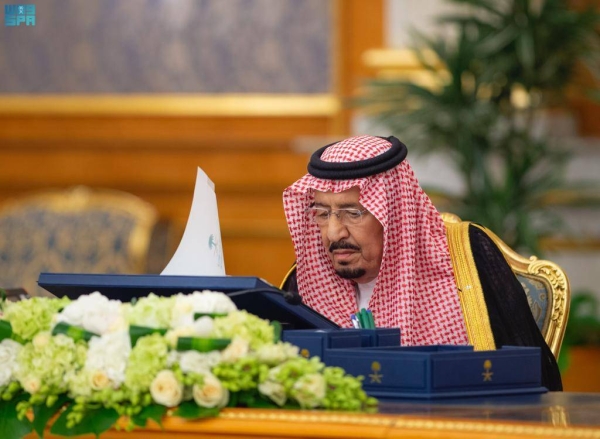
(250, 293)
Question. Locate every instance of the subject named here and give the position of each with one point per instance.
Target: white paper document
(200, 252)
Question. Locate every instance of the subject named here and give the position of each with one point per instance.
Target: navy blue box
(380, 337)
(393, 372)
(314, 343)
(431, 372)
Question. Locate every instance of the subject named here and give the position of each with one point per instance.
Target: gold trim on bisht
(287, 276)
(557, 286)
(472, 301)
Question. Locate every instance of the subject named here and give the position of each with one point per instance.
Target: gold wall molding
(225, 105)
(398, 58)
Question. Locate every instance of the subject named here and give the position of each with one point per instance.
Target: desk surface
(552, 415)
(552, 408)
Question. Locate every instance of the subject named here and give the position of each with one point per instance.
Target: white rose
(9, 349)
(41, 340)
(109, 354)
(203, 326)
(165, 389)
(31, 384)
(99, 380)
(237, 349)
(211, 393)
(173, 357)
(5, 376)
(118, 324)
(196, 362)
(309, 390)
(205, 302)
(274, 390)
(276, 353)
(94, 313)
(212, 302)
(182, 313)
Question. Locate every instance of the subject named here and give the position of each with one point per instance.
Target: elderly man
(367, 236)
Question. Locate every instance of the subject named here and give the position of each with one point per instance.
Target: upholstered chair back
(79, 230)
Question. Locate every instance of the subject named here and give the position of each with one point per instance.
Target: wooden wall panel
(169, 168)
(360, 26)
(250, 159)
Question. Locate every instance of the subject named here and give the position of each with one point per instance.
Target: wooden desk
(553, 415)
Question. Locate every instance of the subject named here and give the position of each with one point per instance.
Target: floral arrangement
(94, 361)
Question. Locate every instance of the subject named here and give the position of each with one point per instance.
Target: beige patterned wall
(170, 46)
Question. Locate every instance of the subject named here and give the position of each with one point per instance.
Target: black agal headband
(362, 168)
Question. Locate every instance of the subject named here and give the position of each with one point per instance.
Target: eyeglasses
(347, 217)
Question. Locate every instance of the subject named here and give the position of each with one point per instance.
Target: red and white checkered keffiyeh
(415, 289)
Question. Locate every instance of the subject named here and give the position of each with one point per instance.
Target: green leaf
(276, 331)
(74, 332)
(525, 50)
(42, 414)
(152, 411)
(94, 422)
(10, 426)
(213, 315)
(234, 399)
(202, 344)
(5, 330)
(497, 41)
(262, 402)
(137, 332)
(191, 410)
(246, 398)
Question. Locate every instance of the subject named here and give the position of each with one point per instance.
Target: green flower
(32, 316)
(344, 392)
(147, 358)
(151, 311)
(309, 390)
(244, 325)
(44, 364)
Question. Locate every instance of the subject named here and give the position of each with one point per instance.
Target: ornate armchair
(75, 230)
(546, 286)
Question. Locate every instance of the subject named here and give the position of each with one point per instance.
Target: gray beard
(350, 273)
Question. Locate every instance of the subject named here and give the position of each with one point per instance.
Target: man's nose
(335, 229)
